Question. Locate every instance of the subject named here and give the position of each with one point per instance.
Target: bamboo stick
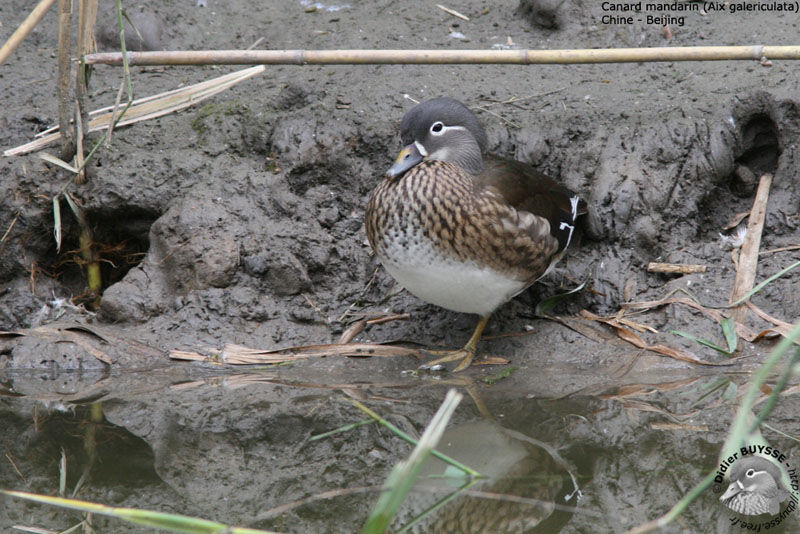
(375, 57)
(24, 29)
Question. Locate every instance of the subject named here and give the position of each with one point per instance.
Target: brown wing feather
(527, 189)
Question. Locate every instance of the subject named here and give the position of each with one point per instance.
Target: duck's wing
(528, 190)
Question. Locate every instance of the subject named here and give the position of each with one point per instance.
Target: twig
(421, 57)
(452, 12)
(675, 268)
(87, 13)
(490, 112)
(10, 227)
(238, 355)
(388, 318)
(517, 99)
(780, 249)
(16, 468)
(748, 256)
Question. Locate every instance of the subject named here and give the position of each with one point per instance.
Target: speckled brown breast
(437, 206)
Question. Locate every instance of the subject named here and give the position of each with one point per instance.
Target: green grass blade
(762, 285)
(450, 461)
(709, 389)
(730, 392)
(701, 341)
(344, 428)
(436, 506)
(404, 474)
(150, 518)
(729, 330)
(780, 386)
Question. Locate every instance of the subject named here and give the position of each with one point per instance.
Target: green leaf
(701, 341)
(729, 329)
(711, 387)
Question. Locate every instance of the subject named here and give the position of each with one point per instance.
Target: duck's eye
(437, 128)
(750, 473)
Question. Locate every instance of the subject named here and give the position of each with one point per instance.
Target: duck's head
(755, 487)
(441, 129)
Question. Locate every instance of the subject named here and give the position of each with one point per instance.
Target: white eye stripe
(438, 128)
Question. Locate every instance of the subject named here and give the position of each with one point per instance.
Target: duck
(755, 487)
(462, 229)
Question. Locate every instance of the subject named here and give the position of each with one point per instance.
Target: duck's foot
(465, 354)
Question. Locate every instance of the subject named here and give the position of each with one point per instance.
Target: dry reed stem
(637, 341)
(150, 107)
(378, 57)
(24, 29)
(87, 17)
(748, 256)
(238, 355)
(743, 331)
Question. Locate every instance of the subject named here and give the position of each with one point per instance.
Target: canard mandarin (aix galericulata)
(464, 230)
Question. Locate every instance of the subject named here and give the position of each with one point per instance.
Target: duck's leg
(464, 354)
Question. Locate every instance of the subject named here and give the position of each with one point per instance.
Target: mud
(241, 220)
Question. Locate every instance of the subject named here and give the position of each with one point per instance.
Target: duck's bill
(732, 490)
(407, 158)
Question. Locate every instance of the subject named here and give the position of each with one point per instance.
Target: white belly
(461, 287)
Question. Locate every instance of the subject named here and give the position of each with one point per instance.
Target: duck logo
(757, 487)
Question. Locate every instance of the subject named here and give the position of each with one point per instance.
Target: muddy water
(238, 447)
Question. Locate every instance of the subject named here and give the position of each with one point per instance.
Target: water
(603, 454)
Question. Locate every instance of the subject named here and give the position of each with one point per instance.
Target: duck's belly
(447, 282)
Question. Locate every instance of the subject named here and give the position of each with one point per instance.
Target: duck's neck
(467, 155)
